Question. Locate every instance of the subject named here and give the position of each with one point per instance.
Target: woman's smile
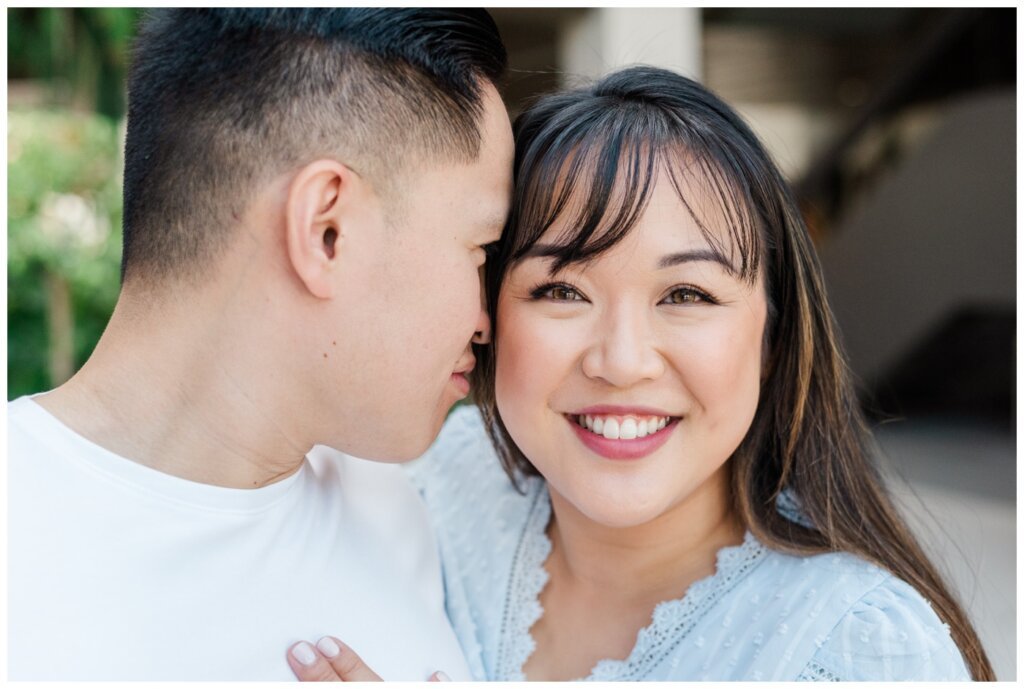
(623, 437)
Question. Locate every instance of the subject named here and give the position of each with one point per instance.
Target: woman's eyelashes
(681, 295)
(686, 294)
(557, 291)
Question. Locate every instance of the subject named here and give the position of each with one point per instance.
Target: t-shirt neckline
(132, 475)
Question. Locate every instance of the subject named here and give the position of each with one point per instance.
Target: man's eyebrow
(697, 255)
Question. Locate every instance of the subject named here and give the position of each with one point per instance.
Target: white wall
(601, 40)
(936, 233)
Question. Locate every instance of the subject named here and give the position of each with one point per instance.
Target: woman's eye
(557, 293)
(563, 293)
(687, 295)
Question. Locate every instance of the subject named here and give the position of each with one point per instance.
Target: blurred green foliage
(81, 53)
(63, 219)
(64, 186)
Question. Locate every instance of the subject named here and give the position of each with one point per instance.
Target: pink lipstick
(622, 449)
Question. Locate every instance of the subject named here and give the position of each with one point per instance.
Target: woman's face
(655, 344)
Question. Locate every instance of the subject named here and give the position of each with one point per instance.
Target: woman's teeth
(623, 427)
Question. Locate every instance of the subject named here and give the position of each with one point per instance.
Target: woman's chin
(621, 511)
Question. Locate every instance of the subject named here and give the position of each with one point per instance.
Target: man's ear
(314, 230)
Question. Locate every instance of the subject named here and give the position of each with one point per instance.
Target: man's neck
(177, 393)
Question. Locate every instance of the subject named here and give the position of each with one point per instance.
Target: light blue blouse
(762, 614)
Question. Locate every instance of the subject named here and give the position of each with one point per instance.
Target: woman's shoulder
(884, 629)
(825, 616)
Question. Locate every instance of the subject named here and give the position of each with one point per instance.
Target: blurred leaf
(81, 53)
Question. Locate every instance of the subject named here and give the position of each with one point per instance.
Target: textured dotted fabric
(763, 615)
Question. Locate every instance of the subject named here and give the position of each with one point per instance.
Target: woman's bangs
(721, 204)
(596, 178)
(595, 182)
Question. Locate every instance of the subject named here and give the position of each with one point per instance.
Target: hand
(332, 661)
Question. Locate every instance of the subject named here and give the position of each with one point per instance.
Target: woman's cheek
(533, 358)
(517, 364)
(721, 369)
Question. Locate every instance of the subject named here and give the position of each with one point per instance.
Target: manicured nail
(442, 677)
(304, 653)
(328, 647)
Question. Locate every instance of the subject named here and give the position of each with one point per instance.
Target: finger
(344, 661)
(309, 665)
(439, 677)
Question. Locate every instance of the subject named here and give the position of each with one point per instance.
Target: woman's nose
(624, 352)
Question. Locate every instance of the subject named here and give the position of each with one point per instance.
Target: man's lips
(466, 364)
(461, 382)
(460, 376)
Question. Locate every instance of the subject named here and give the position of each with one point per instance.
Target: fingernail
(442, 677)
(304, 653)
(328, 647)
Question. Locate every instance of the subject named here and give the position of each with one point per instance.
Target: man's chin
(412, 442)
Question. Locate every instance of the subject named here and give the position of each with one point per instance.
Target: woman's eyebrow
(549, 251)
(542, 251)
(697, 255)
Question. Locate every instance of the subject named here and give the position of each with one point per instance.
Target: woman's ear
(314, 230)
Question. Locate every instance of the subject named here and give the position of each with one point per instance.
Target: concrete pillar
(600, 40)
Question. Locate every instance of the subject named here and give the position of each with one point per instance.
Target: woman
(693, 491)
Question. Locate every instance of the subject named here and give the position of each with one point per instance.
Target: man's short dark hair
(222, 100)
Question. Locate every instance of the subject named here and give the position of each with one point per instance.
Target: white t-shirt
(119, 571)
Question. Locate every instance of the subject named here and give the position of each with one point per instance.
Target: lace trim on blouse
(522, 604)
(815, 672)
(671, 621)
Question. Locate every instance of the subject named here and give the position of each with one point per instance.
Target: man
(307, 195)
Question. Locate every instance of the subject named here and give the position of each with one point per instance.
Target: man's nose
(624, 351)
(482, 333)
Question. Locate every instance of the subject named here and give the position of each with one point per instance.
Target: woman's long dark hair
(595, 153)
